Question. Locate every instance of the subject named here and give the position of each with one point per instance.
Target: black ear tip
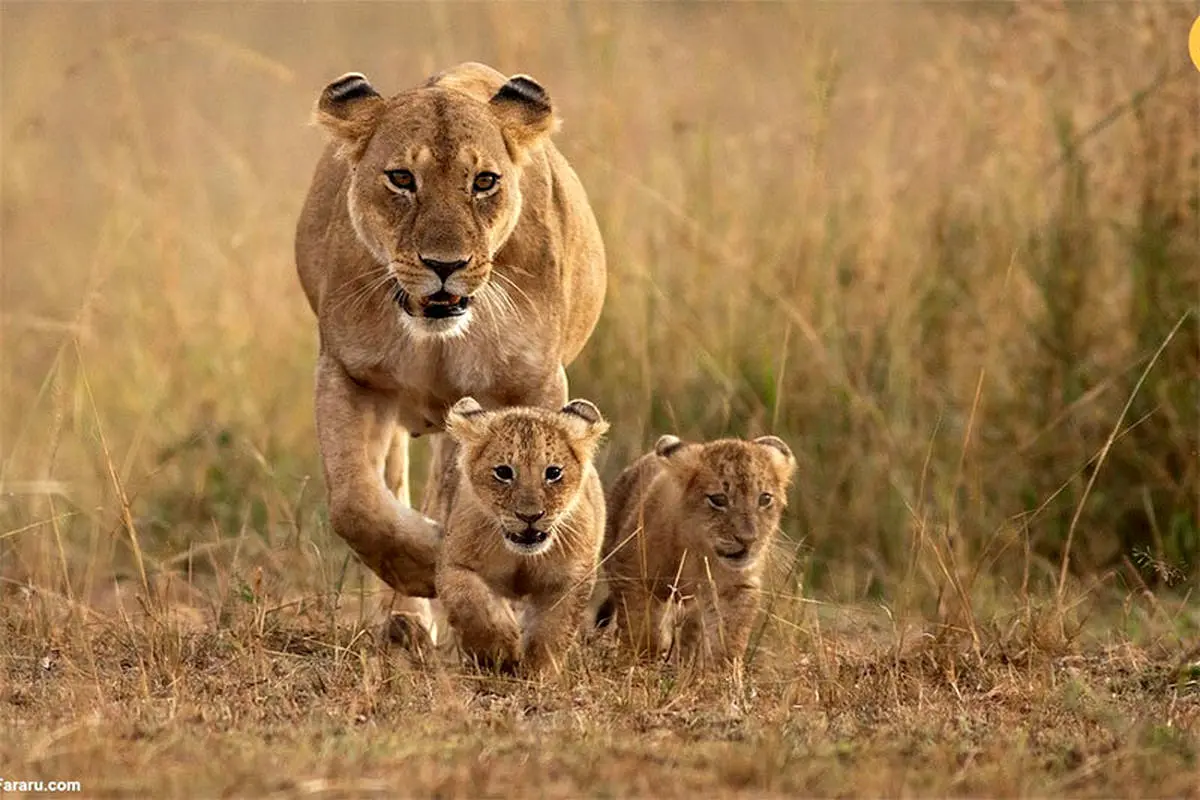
(525, 89)
(351, 86)
(466, 407)
(667, 445)
(775, 442)
(585, 409)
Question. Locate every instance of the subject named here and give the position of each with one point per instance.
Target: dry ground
(949, 251)
(274, 702)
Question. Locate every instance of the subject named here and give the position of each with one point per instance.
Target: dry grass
(949, 252)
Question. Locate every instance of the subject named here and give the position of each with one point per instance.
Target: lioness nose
(529, 519)
(444, 269)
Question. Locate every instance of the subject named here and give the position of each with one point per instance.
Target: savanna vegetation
(949, 251)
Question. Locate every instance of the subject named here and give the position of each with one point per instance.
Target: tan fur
(665, 542)
(481, 572)
(535, 273)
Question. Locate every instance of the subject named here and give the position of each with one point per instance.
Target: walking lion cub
(692, 523)
(524, 520)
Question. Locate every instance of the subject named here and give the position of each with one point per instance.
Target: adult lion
(448, 249)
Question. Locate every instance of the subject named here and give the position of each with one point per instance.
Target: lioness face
(734, 493)
(525, 466)
(434, 191)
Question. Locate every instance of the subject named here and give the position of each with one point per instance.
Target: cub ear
(464, 420)
(778, 448)
(526, 115)
(681, 457)
(585, 418)
(584, 409)
(668, 445)
(349, 110)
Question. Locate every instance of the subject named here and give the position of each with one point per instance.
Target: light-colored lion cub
(525, 522)
(692, 523)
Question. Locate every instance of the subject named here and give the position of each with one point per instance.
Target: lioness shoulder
(693, 522)
(525, 523)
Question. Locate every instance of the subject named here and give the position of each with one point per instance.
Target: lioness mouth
(441, 305)
(527, 537)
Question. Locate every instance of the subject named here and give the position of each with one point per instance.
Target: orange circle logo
(1194, 43)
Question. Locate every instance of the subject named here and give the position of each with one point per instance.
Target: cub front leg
(554, 620)
(355, 431)
(487, 628)
(719, 627)
(639, 617)
(740, 605)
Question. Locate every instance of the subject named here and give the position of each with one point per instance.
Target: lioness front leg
(411, 618)
(553, 623)
(395, 468)
(355, 428)
(487, 628)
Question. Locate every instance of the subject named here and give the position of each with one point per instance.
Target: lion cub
(692, 522)
(525, 522)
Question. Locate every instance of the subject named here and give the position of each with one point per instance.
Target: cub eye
(503, 473)
(485, 182)
(765, 499)
(401, 180)
(718, 501)
(553, 474)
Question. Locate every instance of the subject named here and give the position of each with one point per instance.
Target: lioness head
(525, 466)
(734, 493)
(435, 183)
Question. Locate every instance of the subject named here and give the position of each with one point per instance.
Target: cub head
(435, 181)
(733, 493)
(525, 466)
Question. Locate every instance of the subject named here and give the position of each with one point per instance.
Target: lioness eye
(485, 182)
(401, 179)
(718, 501)
(765, 499)
(503, 473)
(553, 474)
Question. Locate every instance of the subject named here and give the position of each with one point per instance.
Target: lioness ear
(526, 116)
(464, 420)
(349, 110)
(586, 421)
(781, 453)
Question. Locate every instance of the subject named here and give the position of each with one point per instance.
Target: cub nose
(444, 269)
(529, 519)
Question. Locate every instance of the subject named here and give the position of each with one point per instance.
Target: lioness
(524, 522)
(692, 523)
(447, 249)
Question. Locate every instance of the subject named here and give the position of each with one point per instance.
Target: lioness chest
(425, 377)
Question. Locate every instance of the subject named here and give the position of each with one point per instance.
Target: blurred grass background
(935, 246)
